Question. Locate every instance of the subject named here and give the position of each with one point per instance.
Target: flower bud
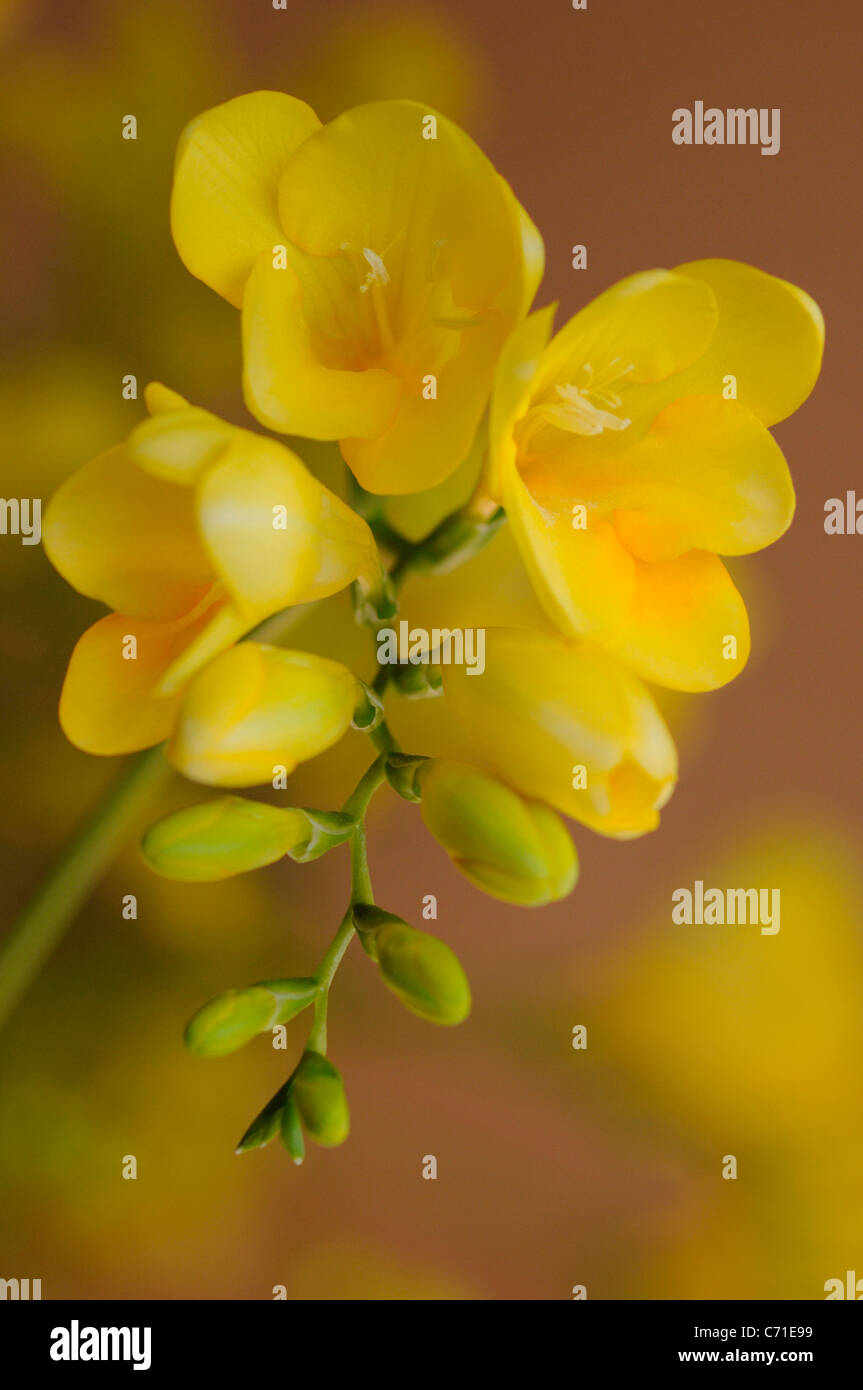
(216, 839)
(423, 972)
(319, 1093)
(228, 1022)
(512, 848)
(256, 708)
(565, 723)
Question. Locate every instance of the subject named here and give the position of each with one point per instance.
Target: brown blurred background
(555, 1167)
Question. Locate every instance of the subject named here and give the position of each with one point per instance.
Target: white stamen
(578, 414)
(377, 272)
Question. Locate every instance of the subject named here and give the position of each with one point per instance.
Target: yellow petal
(533, 250)
(178, 445)
(708, 475)
(667, 620)
(688, 627)
(224, 207)
(119, 535)
(226, 624)
(110, 702)
(513, 385)
(288, 384)
(415, 515)
(275, 534)
(430, 438)
(584, 578)
(258, 708)
(159, 398)
(655, 322)
(545, 708)
(770, 336)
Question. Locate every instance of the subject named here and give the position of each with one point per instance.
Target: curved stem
(361, 892)
(74, 875)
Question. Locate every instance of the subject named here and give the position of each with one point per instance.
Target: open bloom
(380, 262)
(193, 531)
(632, 450)
(566, 724)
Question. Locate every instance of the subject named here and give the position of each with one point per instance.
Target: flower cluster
(385, 273)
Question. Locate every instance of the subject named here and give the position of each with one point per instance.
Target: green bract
(292, 1130)
(403, 772)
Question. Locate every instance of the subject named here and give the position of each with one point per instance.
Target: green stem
(74, 875)
(361, 892)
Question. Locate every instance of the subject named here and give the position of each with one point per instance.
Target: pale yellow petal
(111, 701)
(224, 207)
(275, 534)
(117, 534)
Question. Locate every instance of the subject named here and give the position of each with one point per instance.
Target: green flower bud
(232, 1019)
(217, 839)
(319, 1093)
(403, 774)
(425, 974)
(510, 847)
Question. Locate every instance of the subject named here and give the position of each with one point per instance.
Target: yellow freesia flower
(632, 450)
(194, 531)
(257, 708)
(566, 724)
(380, 263)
